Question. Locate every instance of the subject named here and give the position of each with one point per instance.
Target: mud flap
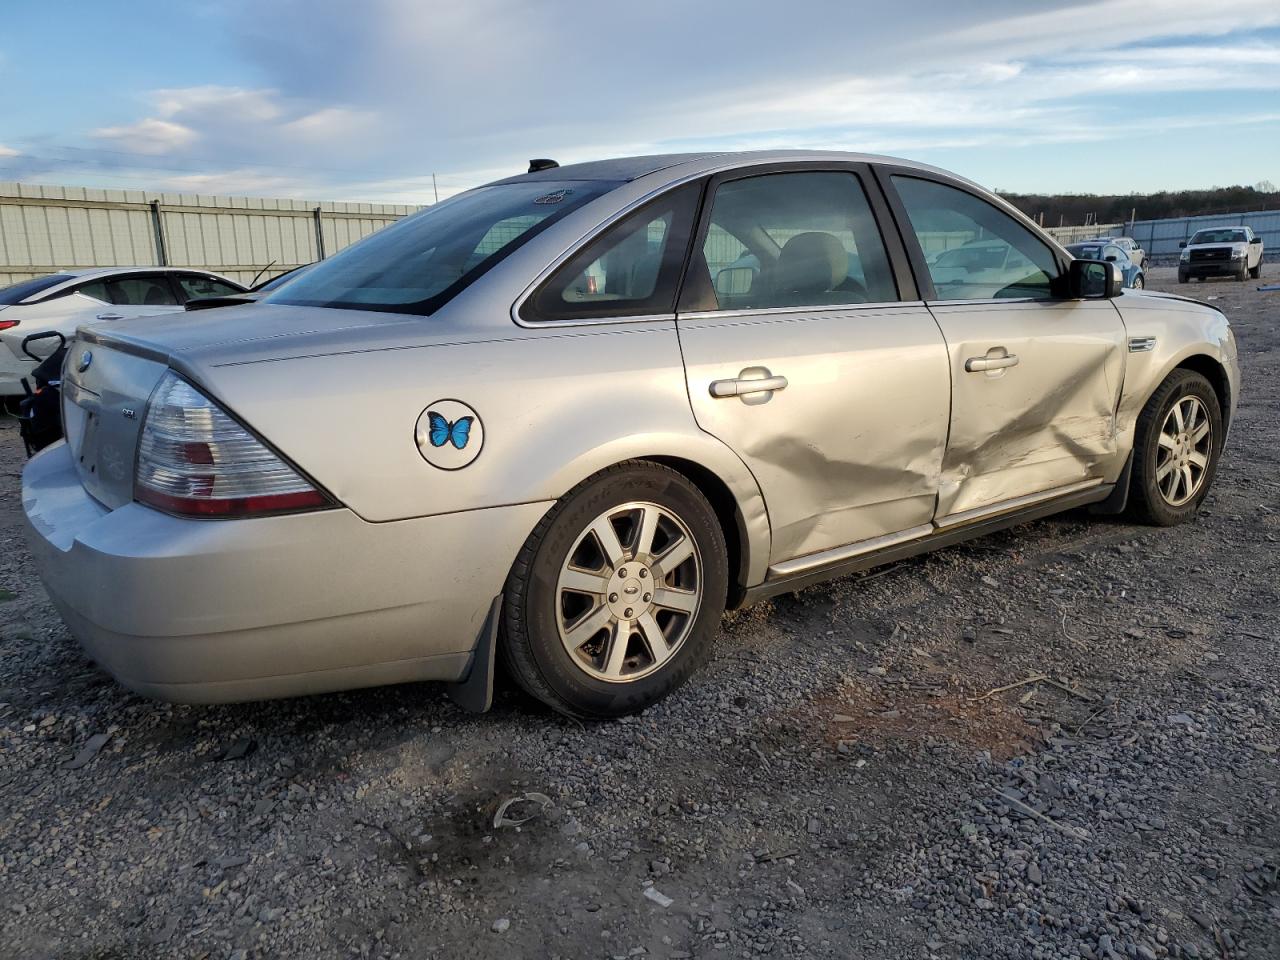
(475, 693)
(1119, 498)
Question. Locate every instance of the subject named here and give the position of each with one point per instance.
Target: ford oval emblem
(86, 359)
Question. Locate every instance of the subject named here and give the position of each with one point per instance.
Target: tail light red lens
(195, 460)
(9, 324)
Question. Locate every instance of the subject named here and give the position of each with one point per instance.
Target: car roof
(626, 169)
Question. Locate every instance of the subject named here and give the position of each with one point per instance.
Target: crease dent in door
(820, 485)
(1001, 439)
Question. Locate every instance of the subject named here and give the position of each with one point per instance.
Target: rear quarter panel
(556, 405)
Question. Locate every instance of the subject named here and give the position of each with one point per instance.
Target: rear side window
(421, 262)
(795, 240)
(141, 292)
(974, 250)
(631, 269)
(96, 289)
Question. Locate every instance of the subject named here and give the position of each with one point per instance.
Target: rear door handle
(746, 384)
(110, 316)
(979, 364)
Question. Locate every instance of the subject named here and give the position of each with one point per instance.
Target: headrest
(810, 263)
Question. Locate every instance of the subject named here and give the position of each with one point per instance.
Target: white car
(63, 301)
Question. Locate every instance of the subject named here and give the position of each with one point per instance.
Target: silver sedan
(568, 418)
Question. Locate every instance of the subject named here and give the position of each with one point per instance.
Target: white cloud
(8, 151)
(149, 136)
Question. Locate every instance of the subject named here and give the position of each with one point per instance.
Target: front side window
(631, 269)
(196, 287)
(97, 289)
(421, 262)
(974, 250)
(795, 240)
(141, 292)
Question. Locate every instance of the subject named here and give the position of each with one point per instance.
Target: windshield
(420, 263)
(1219, 236)
(17, 292)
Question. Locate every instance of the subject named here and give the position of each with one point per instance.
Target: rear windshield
(418, 264)
(1086, 253)
(1220, 236)
(17, 292)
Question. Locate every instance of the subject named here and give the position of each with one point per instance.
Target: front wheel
(1182, 277)
(1177, 444)
(1138, 283)
(1256, 272)
(616, 596)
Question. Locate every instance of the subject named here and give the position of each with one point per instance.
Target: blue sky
(327, 99)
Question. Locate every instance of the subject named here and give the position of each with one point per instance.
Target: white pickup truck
(1221, 252)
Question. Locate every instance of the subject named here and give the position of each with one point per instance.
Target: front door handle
(110, 316)
(979, 364)
(753, 385)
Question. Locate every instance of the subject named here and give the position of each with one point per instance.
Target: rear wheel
(615, 598)
(1177, 445)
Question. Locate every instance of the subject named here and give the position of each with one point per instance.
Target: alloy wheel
(629, 592)
(1185, 445)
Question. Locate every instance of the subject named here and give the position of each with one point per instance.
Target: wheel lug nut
(627, 612)
(622, 572)
(643, 573)
(613, 598)
(648, 597)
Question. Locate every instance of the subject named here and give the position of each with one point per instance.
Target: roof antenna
(542, 163)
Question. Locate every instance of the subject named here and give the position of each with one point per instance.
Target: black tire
(1243, 275)
(1256, 272)
(1146, 503)
(1138, 282)
(1182, 277)
(531, 646)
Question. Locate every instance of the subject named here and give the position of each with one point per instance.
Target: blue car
(1105, 250)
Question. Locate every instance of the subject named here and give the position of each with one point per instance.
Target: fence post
(157, 222)
(319, 233)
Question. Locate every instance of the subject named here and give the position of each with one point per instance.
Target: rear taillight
(9, 324)
(194, 459)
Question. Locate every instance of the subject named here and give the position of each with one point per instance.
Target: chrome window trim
(814, 310)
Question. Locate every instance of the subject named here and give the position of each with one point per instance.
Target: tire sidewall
(582, 693)
(1184, 384)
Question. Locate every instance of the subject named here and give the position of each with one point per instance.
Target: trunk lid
(112, 369)
(104, 397)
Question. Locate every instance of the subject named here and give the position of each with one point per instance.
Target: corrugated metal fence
(44, 229)
(1160, 238)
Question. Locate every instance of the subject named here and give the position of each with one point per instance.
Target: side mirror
(1093, 280)
(1181, 244)
(1256, 240)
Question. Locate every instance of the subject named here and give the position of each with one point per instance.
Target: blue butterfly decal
(442, 431)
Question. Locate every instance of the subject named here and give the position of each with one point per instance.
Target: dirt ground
(839, 782)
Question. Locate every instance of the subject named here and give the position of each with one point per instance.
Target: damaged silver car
(567, 418)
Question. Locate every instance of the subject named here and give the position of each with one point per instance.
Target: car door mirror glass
(1093, 280)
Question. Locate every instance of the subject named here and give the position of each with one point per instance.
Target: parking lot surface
(1058, 741)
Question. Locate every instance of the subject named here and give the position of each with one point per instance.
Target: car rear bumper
(204, 611)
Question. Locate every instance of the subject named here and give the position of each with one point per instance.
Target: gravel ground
(838, 783)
